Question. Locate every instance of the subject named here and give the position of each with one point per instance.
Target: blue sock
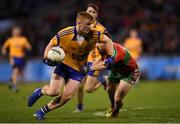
(45, 109)
(80, 106)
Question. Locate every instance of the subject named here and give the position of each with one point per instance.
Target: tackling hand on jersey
(98, 65)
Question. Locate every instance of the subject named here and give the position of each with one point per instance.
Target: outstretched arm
(5, 46)
(107, 45)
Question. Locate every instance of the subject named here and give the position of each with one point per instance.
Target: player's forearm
(109, 47)
(48, 47)
(29, 47)
(3, 50)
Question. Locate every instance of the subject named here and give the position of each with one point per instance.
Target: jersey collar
(94, 24)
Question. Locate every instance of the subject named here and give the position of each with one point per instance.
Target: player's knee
(80, 89)
(55, 77)
(109, 90)
(89, 89)
(46, 90)
(53, 93)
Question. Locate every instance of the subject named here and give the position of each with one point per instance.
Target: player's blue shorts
(67, 72)
(18, 62)
(101, 76)
(90, 73)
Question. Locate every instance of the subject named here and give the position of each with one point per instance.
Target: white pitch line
(103, 113)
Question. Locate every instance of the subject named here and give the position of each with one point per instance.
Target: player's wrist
(49, 62)
(109, 61)
(45, 57)
(110, 56)
(91, 68)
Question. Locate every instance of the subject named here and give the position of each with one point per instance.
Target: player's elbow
(29, 48)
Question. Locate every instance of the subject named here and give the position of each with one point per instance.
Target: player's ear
(78, 21)
(97, 15)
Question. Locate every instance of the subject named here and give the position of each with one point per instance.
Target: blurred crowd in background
(157, 21)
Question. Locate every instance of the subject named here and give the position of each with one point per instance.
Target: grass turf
(147, 102)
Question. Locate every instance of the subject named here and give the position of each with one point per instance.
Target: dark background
(156, 20)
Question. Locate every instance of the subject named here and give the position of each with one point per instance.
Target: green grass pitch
(147, 102)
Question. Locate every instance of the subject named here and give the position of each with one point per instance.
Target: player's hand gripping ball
(56, 54)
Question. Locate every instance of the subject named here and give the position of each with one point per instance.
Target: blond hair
(84, 15)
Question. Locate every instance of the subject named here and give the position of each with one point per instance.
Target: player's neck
(79, 32)
(77, 29)
(94, 22)
(16, 36)
(134, 38)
